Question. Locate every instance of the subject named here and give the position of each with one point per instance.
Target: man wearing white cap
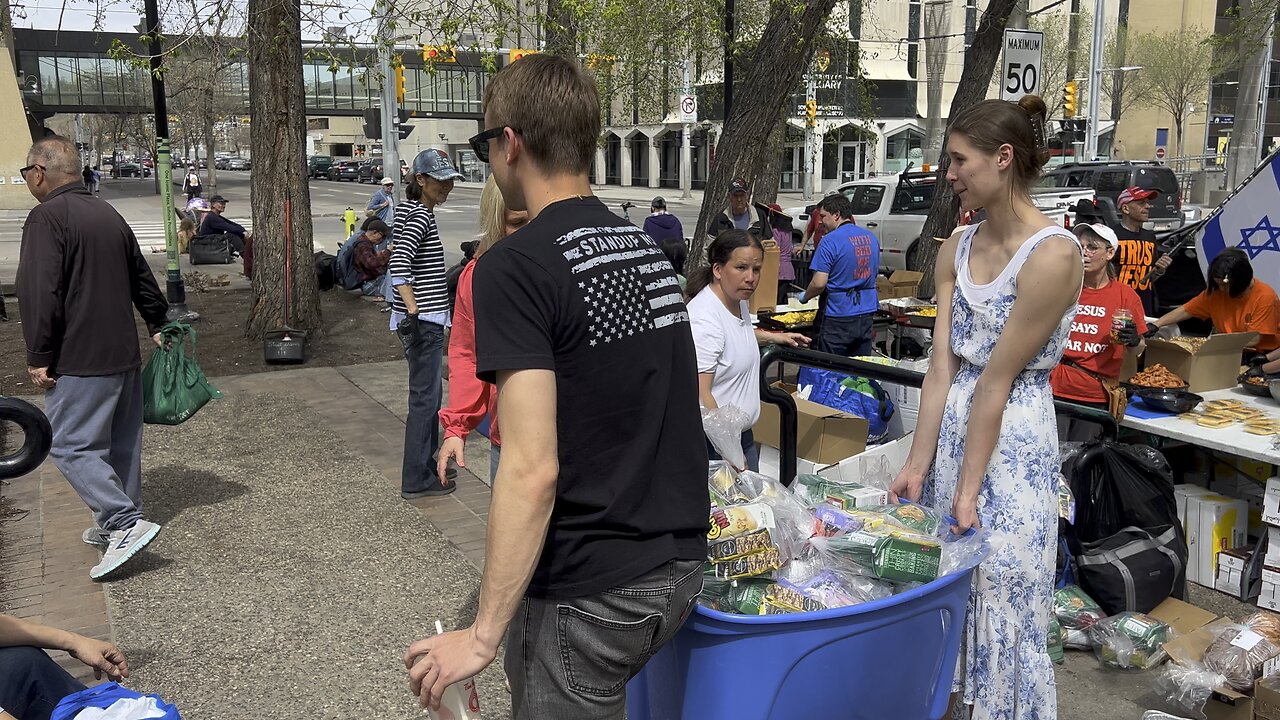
(1101, 335)
(1138, 247)
(380, 204)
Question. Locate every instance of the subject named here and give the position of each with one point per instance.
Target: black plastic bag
(1118, 486)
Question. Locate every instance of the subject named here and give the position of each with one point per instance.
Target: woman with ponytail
(728, 347)
(986, 443)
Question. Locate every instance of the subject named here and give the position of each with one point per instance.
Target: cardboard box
(1269, 598)
(1216, 365)
(1266, 699)
(1272, 542)
(1189, 514)
(766, 294)
(1271, 502)
(901, 284)
(823, 435)
(1238, 575)
(878, 462)
(1222, 524)
(1193, 629)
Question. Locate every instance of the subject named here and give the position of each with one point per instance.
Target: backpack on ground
(210, 249)
(345, 274)
(326, 270)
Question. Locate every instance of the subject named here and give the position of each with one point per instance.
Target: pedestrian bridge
(62, 71)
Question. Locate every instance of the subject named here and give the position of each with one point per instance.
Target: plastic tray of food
(793, 320)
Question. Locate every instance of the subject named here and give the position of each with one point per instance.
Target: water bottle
(460, 700)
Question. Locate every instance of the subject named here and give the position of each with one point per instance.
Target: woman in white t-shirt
(728, 347)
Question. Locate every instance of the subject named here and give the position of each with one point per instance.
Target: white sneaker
(96, 536)
(124, 545)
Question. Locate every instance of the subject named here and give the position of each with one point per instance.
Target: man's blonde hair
(493, 217)
(553, 105)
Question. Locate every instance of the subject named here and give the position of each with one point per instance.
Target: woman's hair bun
(1032, 105)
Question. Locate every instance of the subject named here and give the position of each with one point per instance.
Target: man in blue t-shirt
(845, 267)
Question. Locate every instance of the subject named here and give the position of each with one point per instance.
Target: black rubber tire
(38, 437)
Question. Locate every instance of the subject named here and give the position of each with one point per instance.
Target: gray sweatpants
(97, 442)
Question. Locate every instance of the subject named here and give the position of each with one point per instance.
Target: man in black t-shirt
(598, 521)
(1138, 249)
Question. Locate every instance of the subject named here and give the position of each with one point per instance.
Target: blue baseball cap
(434, 163)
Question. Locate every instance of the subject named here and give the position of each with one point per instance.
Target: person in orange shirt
(1234, 301)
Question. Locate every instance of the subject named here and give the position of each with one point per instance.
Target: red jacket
(469, 398)
(370, 263)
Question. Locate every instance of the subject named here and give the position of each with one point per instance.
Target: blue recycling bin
(891, 658)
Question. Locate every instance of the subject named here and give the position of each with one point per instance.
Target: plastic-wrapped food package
(1130, 641)
(724, 427)
(829, 521)
(1186, 687)
(1076, 612)
(894, 555)
(1055, 642)
(962, 552)
(814, 490)
(747, 541)
(1265, 623)
(916, 518)
(1066, 500)
(722, 482)
(1237, 654)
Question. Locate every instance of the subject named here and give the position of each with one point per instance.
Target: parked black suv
(1109, 179)
(345, 170)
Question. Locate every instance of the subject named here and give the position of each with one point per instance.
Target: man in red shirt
(1098, 344)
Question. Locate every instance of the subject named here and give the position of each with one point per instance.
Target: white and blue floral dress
(1005, 670)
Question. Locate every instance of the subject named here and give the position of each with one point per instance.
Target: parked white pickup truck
(895, 207)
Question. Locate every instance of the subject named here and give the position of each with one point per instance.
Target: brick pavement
(46, 565)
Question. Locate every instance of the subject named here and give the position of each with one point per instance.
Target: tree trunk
(979, 64)
(778, 62)
(561, 27)
(278, 142)
(769, 173)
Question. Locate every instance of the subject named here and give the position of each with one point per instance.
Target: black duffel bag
(210, 249)
(1135, 569)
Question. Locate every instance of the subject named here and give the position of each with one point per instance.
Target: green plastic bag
(173, 386)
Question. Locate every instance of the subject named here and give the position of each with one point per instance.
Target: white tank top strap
(962, 251)
(980, 293)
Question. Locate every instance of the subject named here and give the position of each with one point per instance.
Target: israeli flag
(1249, 220)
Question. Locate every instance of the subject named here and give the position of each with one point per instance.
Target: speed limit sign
(1020, 74)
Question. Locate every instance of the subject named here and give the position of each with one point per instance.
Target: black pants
(31, 683)
(848, 336)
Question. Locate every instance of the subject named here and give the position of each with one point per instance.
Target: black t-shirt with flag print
(583, 293)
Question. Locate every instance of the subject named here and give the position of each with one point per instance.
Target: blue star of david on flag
(1244, 222)
(1251, 246)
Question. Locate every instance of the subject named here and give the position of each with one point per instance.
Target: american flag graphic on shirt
(626, 283)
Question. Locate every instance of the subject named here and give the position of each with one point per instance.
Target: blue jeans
(749, 450)
(572, 657)
(376, 287)
(424, 350)
(848, 336)
(31, 683)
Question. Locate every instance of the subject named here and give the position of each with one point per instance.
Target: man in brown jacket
(80, 276)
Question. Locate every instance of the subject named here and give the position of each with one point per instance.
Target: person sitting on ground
(370, 262)
(662, 225)
(31, 683)
(186, 231)
(1097, 346)
(1234, 301)
(214, 224)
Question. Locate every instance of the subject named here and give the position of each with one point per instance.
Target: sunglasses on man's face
(23, 171)
(480, 143)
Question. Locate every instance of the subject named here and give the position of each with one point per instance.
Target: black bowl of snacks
(1172, 401)
(1255, 385)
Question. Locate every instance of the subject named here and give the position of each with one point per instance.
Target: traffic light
(399, 84)
(515, 54)
(810, 112)
(439, 54)
(1070, 95)
(402, 123)
(373, 124)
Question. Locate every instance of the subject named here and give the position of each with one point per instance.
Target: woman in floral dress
(986, 444)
